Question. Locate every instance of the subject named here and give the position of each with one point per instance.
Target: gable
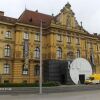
(67, 17)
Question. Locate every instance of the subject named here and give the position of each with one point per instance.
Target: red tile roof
(8, 19)
(34, 18)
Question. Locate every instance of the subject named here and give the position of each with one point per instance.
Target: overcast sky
(87, 11)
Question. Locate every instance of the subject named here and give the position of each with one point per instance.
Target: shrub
(18, 85)
(46, 84)
(51, 83)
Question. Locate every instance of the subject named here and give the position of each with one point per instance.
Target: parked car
(93, 79)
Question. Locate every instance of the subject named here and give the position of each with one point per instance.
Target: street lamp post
(40, 82)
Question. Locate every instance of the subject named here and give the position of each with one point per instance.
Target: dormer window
(30, 20)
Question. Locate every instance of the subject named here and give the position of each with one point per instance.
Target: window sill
(59, 40)
(36, 58)
(69, 42)
(7, 56)
(77, 43)
(37, 40)
(5, 74)
(25, 39)
(59, 58)
(25, 74)
(8, 38)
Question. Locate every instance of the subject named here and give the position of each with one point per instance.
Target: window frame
(78, 54)
(6, 69)
(68, 22)
(37, 70)
(26, 35)
(59, 37)
(68, 39)
(7, 51)
(37, 53)
(77, 41)
(37, 37)
(90, 45)
(24, 71)
(8, 34)
(59, 53)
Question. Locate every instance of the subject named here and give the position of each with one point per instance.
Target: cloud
(87, 11)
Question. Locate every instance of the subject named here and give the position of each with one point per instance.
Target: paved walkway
(83, 95)
(59, 89)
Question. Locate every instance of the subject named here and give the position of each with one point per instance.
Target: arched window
(59, 53)
(7, 51)
(68, 21)
(78, 53)
(37, 53)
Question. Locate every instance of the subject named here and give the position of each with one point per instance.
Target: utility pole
(40, 82)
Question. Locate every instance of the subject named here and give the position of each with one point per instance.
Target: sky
(87, 11)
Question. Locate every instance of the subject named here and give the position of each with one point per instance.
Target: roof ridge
(38, 12)
(21, 14)
(9, 17)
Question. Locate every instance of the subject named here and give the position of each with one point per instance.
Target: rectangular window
(90, 45)
(6, 81)
(68, 39)
(25, 71)
(37, 71)
(26, 35)
(77, 41)
(7, 51)
(37, 37)
(6, 69)
(78, 54)
(97, 48)
(8, 34)
(24, 81)
(59, 37)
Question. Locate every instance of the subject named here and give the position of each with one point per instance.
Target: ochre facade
(63, 39)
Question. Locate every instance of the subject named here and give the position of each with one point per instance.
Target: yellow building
(63, 39)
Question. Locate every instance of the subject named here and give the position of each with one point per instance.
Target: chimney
(36, 11)
(1, 13)
(52, 15)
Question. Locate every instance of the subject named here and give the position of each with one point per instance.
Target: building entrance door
(63, 81)
(82, 78)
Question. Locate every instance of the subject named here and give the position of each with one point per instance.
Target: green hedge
(46, 84)
(49, 84)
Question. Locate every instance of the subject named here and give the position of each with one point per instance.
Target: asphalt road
(83, 95)
(59, 89)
